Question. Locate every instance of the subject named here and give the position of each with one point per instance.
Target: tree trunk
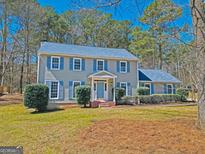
(198, 15)
(160, 56)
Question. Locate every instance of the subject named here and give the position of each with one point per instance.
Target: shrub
(83, 95)
(150, 99)
(183, 92)
(119, 93)
(128, 100)
(143, 91)
(36, 96)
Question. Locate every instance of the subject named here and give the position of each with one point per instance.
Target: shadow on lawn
(47, 111)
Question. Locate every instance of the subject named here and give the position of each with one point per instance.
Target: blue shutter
(128, 66)
(106, 65)
(48, 83)
(82, 83)
(61, 90)
(118, 84)
(83, 64)
(71, 64)
(118, 66)
(49, 62)
(152, 88)
(129, 89)
(70, 90)
(174, 89)
(94, 65)
(165, 89)
(61, 63)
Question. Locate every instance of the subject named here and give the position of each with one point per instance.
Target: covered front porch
(102, 86)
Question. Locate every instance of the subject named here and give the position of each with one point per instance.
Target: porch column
(92, 89)
(113, 90)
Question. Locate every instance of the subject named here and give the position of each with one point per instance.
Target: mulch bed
(130, 136)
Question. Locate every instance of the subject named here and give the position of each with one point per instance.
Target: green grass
(54, 132)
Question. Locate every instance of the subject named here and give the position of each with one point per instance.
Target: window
(148, 86)
(169, 89)
(100, 65)
(124, 86)
(77, 62)
(54, 89)
(75, 84)
(55, 63)
(123, 66)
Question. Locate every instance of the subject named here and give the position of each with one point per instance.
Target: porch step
(107, 104)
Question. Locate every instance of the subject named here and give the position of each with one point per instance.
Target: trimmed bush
(150, 99)
(83, 95)
(36, 96)
(143, 91)
(119, 93)
(128, 100)
(184, 93)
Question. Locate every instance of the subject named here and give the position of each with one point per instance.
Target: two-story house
(63, 67)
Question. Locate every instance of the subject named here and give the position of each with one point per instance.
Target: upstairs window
(100, 65)
(123, 66)
(77, 64)
(55, 63)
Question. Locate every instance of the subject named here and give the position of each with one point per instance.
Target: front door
(100, 89)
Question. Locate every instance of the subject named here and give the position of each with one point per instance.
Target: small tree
(143, 91)
(183, 92)
(36, 96)
(83, 95)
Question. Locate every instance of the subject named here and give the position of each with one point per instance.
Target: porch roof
(103, 74)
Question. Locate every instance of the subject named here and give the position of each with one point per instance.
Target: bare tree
(198, 15)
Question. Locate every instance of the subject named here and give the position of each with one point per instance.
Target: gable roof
(85, 51)
(157, 76)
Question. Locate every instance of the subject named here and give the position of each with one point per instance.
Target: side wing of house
(158, 82)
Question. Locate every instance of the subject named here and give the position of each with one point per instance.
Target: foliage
(150, 99)
(36, 96)
(183, 93)
(119, 93)
(143, 91)
(83, 94)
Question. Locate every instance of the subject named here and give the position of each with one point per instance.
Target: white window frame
(73, 88)
(58, 63)
(126, 92)
(168, 88)
(80, 64)
(103, 64)
(149, 87)
(125, 67)
(50, 88)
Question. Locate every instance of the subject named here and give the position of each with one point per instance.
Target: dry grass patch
(131, 136)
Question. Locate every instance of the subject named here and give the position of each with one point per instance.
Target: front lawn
(65, 130)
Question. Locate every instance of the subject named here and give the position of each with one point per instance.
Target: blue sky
(127, 10)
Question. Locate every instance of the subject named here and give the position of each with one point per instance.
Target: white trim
(171, 89)
(74, 55)
(38, 69)
(125, 66)
(73, 88)
(74, 64)
(50, 89)
(126, 87)
(105, 97)
(58, 63)
(103, 64)
(149, 87)
(93, 75)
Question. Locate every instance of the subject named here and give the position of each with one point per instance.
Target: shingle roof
(159, 76)
(85, 51)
